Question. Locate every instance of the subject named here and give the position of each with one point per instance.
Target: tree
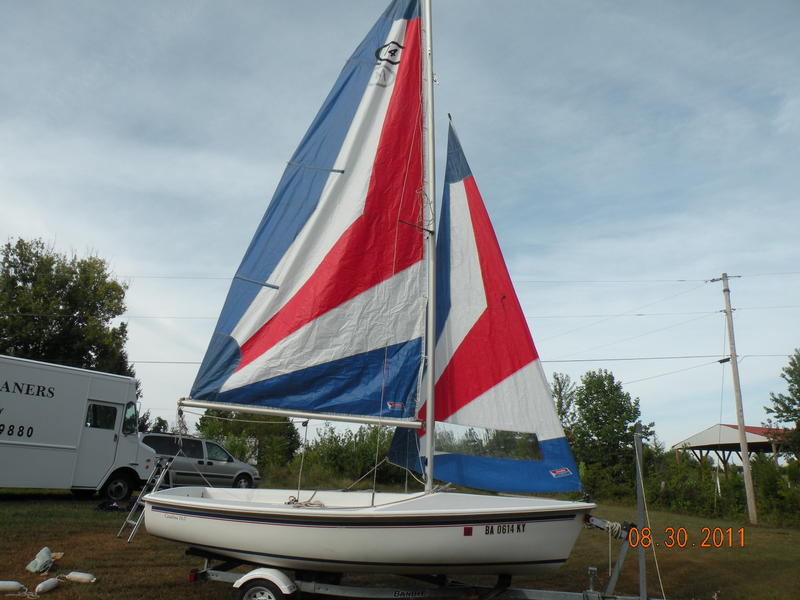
(267, 440)
(60, 309)
(146, 424)
(564, 392)
(603, 430)
(786, 407)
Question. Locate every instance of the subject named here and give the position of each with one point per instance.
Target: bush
(337, 459)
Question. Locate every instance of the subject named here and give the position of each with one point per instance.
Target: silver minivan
(202, 462)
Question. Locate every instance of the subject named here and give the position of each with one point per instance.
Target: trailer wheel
(260, 589)
(117, 488)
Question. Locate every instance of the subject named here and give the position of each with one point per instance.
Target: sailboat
(351, 305)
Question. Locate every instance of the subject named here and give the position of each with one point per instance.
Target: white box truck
(68, 428)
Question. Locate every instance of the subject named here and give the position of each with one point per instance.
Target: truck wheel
(259, 589)
(118, 488)
(242, 481)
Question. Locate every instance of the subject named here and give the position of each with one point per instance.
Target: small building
(723, 440)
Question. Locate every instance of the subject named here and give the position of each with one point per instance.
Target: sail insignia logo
(562, 472)
(389, 53)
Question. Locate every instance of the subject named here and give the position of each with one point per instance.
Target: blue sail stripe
(354, 385)
(443, 267)
(555, 472)
(456, 170)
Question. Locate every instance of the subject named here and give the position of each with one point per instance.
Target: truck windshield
(129, 422)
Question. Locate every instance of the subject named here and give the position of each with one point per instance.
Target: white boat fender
(10, 587)
(41, 562)
(47, 585)
(79, 577)
(279, 578)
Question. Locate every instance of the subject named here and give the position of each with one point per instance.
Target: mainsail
(488, 372)
(326, 311)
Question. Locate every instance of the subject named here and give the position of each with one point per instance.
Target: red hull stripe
(385, 231)
(500, 332)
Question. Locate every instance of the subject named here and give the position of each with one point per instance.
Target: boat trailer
(266, 583)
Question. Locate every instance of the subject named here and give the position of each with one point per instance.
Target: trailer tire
(118, 487)
(260, 589)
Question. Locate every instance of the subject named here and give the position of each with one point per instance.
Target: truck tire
(260, 589)
(243, 481)
(118, 488)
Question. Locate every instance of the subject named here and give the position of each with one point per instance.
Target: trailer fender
(279, 578)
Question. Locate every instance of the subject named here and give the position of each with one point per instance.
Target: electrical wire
(670, 372)
(646, 333)
(547, 361)
(637, 308)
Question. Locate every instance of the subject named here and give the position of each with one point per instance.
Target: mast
(429, 192)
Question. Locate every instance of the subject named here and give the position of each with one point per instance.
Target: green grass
(766, 568)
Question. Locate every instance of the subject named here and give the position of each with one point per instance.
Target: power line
(646, 333)
(200, 277)
(713, 362)
(638, 358)
(606, 281)
(634, 309)
(567, 360)
(536, 281)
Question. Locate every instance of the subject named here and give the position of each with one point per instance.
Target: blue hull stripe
(382, 523)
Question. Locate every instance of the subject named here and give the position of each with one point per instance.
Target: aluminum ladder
(154, 483)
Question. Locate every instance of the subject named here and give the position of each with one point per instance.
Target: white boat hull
(438, 533)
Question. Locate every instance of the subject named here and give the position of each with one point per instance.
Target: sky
(628, 152)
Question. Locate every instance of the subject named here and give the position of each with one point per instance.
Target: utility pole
(737, 388)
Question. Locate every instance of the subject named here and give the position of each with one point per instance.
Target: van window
(193, 448)
(217, 453)
(100, 416)
(162, 445)
(129, 422)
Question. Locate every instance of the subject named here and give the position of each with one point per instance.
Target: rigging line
(640, 485)
(646, 333)
(634, 309)
(705, 364)
(722, 381)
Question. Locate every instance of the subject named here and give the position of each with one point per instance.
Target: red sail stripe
(501, 332)
(381, 242)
